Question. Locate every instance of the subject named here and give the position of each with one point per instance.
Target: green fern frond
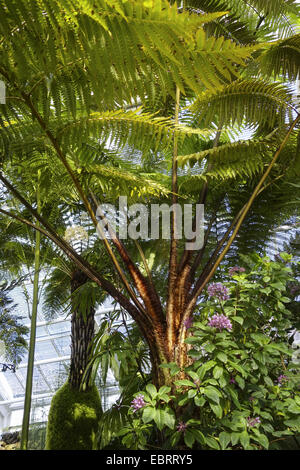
(232, 151)
(282, 59)
(251, 102)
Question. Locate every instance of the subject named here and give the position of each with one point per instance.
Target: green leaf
(204, 368)
(209, 348)
(235, 437)
(151, 389)
(263, 440)
(193, 375)
(222, 357)
(211, 442)
(245, 439)
(198, 435)
(224, 438)
(189, 438)
(240, 381)
(199, 401)
(164, 389)
(239, 320)
(212, 394)
(159, 418)
(217, 372)
(169, 418)
(294, 408)
(184, 382)
(217, 409)
(238, 368)
(268, 381)
(149, 414)
(192, 393)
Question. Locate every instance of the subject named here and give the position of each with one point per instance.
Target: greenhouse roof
(51, 365)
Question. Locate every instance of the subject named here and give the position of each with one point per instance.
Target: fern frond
(232, 151)
(282, 59)
(252, 102)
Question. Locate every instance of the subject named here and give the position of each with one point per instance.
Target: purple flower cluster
(138, 403)
(220, 321)
(251, 422)
(282, 378)
(235, 269)
(188, 323)
(218, 290)
(181, 427)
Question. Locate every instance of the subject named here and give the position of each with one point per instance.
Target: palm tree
(78, 82)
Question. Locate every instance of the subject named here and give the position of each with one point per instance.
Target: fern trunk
(82, 333)
(169, 347)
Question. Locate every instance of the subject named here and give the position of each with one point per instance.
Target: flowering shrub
(241, 390)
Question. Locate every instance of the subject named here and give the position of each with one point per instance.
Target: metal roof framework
(52, 357)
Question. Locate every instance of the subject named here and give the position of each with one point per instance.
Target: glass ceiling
(52, 357)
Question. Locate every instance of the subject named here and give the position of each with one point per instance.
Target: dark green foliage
(73, 419)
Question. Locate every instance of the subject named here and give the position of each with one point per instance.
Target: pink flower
(282, 378)
(251, 422)
(220, 322)
(218, 290)
(138, 403)
(188, 323)
(235, 269)
(181, 427)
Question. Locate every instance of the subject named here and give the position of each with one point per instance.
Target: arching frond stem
(241, 216)
(171, 307)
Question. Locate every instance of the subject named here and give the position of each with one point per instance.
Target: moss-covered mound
(73, 419)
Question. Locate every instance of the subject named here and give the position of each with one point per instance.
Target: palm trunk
(82, 333)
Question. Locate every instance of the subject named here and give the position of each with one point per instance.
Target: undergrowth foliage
(242, 389)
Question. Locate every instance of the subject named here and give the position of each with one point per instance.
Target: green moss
(73, 419)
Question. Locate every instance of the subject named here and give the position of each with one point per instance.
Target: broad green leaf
(169, 419)
(149, 414)
(192, 393)
(199, 401)
(263, 440)
(217, 372)
(235, 437)
(222, 357)
(189, 438)
(239, 320)
(212, 394)
(159, 418)
(199, 436)
(211, 442)
(217, 409)
(294, 408)
(184, 382)
(151, 389)
(164, 389)
(245, 439)
(224, 438)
